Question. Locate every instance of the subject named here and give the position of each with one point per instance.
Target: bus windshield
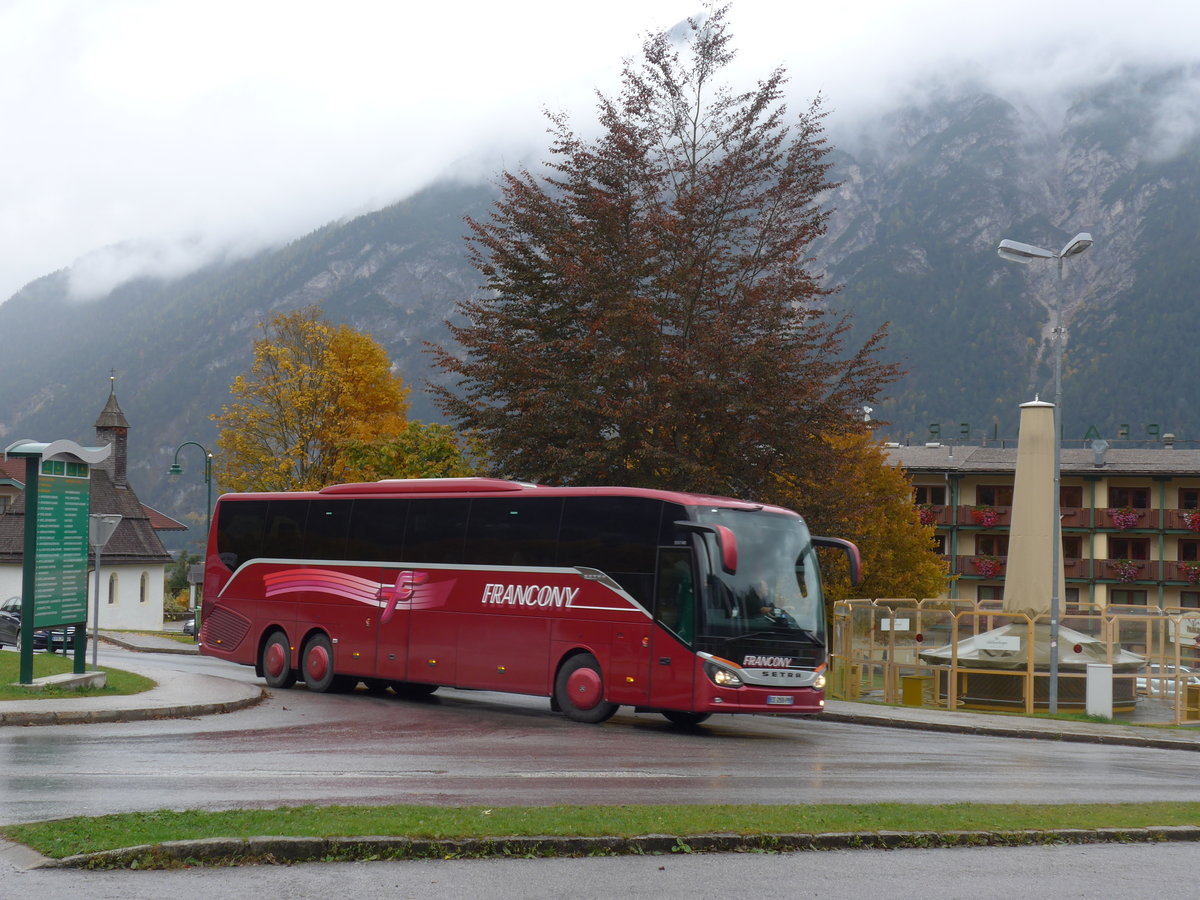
(777, 587)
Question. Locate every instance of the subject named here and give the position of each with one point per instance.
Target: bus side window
(675, 599)
(240, 528)
(284, 537)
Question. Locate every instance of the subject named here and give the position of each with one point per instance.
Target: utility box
(1100, 690)
(912, 689)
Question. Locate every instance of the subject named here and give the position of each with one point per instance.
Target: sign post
(54, 569)
(100, 529)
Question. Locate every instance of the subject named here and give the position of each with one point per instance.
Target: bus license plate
(778, 700)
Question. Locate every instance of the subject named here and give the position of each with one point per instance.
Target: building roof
(134, 541)
(160, 521)
(966, 460)
(12, 470)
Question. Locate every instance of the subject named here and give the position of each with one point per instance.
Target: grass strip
(81, 834)
(118, 681)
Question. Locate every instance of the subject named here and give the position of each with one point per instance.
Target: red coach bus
(595, 597)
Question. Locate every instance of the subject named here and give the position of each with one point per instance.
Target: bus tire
(579, 690)
(684, 719)
(316, 664)
(276, 660)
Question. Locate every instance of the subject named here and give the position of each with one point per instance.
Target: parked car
(43, 639)
(1160, 680)
(189, 627)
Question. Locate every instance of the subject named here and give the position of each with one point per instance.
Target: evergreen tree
(653, 318)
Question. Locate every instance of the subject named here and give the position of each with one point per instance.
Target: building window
(1127, 598)
(1072, 601)
(933, 494)
(1133, 497)
(1189, 551)
(1128, 548)
(991, 545)
(1189, 498)
(1189, 599)
(990, 592)
(112, 588)
(144, 588)
(1070, 496)
(939, 544)
(1072, 547)
(994, 495)
(3, 505)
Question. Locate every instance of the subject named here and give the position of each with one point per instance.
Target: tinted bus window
(284, 536)
(507, 532)
(612, 534)
(436, 531)
(377, 530)
(328, 522)
(240, 528)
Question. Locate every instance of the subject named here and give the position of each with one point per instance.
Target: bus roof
(458, 487)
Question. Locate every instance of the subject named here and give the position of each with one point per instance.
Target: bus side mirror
(726, 542)
(851, 551)
(729, 549)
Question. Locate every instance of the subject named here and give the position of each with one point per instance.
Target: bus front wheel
(317, 664)
(579, 690)
(277, 662)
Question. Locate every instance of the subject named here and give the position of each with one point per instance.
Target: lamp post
(177, 469)
(1015, 251)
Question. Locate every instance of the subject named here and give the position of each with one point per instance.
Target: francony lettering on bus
(528, 595)
(767, 661)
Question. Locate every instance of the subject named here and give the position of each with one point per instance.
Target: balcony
(1183, 570)
(1126, 518)
(1182, 519)
(985, 516)
(981, 566)
(1130, 571)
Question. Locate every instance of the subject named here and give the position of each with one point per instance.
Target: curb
(133, 714)
(183, 649)
(285, 850)
(1015, 731)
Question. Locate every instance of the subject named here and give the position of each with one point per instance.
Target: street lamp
(177, 469)
(1015, 251)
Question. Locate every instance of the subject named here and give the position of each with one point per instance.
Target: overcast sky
(185, 128)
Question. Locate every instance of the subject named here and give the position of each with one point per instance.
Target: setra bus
(595, 597)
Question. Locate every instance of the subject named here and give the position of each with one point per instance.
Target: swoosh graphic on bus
(362, 590)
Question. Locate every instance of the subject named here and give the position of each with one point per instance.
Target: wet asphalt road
(480, 748)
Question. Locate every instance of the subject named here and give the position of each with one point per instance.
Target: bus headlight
(819, 684)
(722, 676)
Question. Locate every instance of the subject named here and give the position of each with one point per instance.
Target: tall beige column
(1031, 534)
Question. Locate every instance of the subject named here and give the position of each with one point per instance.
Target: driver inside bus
(764, 607)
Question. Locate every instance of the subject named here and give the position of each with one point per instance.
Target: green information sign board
(54, 576)
(60, 567)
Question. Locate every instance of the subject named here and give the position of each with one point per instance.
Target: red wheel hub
(276, 662)
(584, 688)
(317, 663)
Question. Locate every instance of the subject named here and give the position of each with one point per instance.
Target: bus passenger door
(672, 661)
(396, 591)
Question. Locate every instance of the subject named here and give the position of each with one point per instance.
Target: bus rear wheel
(579, 690)
(686, 719)
(276, 662)
(316, 665)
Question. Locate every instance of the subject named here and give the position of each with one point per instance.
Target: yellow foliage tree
(864, 499)
(313, 390)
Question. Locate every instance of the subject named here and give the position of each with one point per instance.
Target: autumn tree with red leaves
(653, 317)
